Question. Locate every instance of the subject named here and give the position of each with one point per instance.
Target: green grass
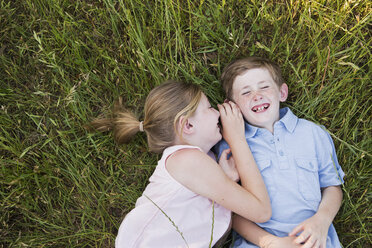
(64, 62)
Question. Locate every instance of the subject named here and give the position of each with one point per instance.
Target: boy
(296, 157)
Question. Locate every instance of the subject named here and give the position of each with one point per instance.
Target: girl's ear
(185, 126)
(283, 92)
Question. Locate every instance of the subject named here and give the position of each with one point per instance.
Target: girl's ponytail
(164, 105)
(123, 123)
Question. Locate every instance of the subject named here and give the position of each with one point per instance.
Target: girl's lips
(260, 108)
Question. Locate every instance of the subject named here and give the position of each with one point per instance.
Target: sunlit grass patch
(65, 62)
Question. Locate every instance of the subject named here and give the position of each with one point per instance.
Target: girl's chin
(218, 139)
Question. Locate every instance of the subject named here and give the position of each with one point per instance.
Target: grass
(64, 62)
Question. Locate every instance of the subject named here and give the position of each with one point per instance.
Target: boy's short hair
(238, 67)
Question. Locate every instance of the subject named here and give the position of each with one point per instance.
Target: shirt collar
(250, 130)
(288, 119)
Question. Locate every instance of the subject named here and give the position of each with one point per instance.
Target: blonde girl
(189, 198)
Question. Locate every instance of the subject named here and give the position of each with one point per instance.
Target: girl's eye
(246, 93)
(265, 87)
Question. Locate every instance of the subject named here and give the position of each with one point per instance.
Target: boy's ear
(186, 127)
(283, 92)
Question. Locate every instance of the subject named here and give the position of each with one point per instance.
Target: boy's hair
(238, 67)
(164, 106)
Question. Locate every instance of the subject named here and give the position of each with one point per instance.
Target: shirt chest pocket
(267, 172)
(308, 179)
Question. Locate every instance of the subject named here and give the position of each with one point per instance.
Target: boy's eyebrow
(248, 86)
(245, 87)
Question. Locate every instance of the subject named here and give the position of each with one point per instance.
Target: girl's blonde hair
(164, 106)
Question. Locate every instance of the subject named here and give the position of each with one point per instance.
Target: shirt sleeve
(219, 147)
(330, 172)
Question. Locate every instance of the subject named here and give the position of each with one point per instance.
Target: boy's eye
(246, 93)
(265, 87)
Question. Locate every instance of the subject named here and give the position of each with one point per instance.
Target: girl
(189, 199)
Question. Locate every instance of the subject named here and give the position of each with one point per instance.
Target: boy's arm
(258, 236)
(315, 229)
(313, 232)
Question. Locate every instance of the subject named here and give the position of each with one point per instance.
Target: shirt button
(281, 153)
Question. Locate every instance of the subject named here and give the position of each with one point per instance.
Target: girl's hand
(314, 232)
(228, 165)
(232, 122)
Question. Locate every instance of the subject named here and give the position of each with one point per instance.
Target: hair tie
(141, 126)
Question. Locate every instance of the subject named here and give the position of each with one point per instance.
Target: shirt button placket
(283, 161)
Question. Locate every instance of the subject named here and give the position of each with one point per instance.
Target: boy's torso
(289, 162)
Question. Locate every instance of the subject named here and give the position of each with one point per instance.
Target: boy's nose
(257, 96)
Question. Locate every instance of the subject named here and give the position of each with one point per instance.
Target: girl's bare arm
(202, 175)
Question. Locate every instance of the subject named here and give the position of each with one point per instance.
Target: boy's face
(259, 97)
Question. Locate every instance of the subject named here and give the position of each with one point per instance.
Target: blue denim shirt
(296, 161)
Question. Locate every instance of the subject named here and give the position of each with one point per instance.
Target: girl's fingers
(230, 107)
(235, 108)
(227, 106)
(225, 153)
(222, 109)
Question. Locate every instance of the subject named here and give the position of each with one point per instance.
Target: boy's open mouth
(260, 108)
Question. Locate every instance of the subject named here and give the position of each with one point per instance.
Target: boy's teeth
(259, 109)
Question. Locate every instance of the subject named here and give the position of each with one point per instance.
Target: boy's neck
(269, 127)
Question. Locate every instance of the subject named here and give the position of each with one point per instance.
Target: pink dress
(174, 217)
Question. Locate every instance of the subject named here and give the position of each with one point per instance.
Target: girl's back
(170, 215)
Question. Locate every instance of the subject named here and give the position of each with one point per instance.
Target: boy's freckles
(258, 97)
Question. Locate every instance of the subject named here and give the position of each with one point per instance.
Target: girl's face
(205, 123)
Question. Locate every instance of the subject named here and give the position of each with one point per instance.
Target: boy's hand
(228, 165)
(277, 242)
(314, 232)
(232, 122)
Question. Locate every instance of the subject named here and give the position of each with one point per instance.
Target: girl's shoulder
(181, 152)
(184, 160)
(179, 163)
